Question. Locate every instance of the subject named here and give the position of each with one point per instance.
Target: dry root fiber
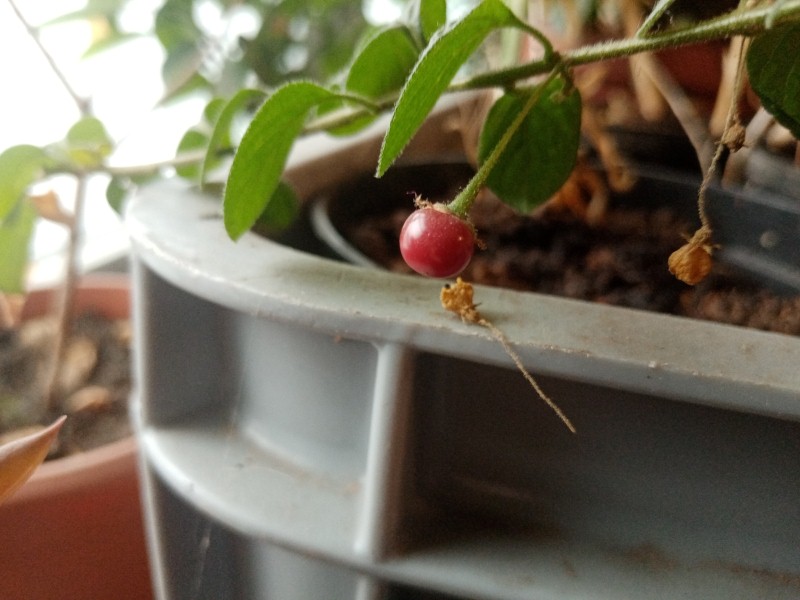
(458, 298)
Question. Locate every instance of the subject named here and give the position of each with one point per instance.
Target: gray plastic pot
(315, 430)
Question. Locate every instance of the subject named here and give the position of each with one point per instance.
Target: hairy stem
(655, 15)
(745, 22)
(748, 22)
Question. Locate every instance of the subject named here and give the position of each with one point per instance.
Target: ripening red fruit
(435, 242)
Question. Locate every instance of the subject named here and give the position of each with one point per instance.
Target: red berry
(435, 242)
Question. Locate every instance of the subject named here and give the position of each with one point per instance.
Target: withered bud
(457, 298)
(691, 263)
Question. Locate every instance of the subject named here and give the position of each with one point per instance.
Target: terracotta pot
(74, 530)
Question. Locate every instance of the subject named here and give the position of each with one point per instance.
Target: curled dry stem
(691, 263)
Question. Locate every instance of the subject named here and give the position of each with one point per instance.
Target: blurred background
(148, 69)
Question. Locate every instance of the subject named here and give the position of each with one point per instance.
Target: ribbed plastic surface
(313, 430)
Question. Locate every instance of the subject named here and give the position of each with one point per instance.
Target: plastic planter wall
(314, 430)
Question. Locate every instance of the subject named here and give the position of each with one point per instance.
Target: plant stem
(747, 22)
(67, 291)
(656, 13)
(83, 104)
(739, 22)
(731, 121)
(183, 159)
(67, 299)
(461, 204)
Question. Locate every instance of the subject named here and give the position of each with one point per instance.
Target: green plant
(529, 139)
(527, 145)
(211, 57)
(196, 61)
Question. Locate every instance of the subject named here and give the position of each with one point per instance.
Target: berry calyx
(436, 242)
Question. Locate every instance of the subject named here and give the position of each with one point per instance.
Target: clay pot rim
(112, 460)
(57, 477)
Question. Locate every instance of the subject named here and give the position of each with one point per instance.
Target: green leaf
(175, 24)
(112, 40)
(352, 127)
(773, 64)
(281, 210)
(182, 39)
(260, 159)
(184, 89)
(116, 192)
(424, 18)
(20, 166)
(380, 67)
(438, 64)
(221, 136)
(432, 16)
(180, 69)
(383, 64)
(15, 237)
(192, 140)
(121, 186)
(213, 110)
(93, 9)
(88, 142)
(541, 155)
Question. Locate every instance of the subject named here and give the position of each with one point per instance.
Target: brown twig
(691, 263)
(64, 311)
(67, 294)
(730, 63)
(730, 140)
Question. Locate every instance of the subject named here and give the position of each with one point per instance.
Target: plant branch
(726, 142)
(181, 160)
(83, 104)
(748, 22)
(739, 22)
(656, 13)
(67, 299)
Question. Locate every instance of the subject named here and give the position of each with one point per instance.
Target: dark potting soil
(621, 261)
(93, 384)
